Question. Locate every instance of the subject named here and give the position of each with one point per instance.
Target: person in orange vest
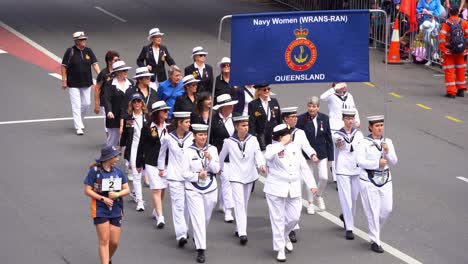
(453, 39)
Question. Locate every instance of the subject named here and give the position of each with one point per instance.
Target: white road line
(110, 14)
(46, 120)
(32, 43)
(56, 75)
(389, 249)
(2, 51)
(462, 178)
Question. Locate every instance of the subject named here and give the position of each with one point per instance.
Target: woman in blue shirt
(106, 184)
(172, 88)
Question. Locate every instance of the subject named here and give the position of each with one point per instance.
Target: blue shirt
(434, 7)
(169, 93)
(94, 179)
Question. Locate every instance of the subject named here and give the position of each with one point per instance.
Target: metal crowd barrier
(415, 46)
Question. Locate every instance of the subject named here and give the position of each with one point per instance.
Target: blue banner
(300, 47)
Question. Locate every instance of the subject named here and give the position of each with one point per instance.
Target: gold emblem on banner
(301, 53)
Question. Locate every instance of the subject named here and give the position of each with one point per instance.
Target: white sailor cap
(197, 128)
(289, 110)
(281, 130)
(340, 85)
(375, 119)
(348, 112)
(240, 118)
(181, 115)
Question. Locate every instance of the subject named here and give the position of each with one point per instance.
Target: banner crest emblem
(301, 53)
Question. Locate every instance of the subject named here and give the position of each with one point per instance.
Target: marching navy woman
(148, 153)
(200, 165)
(201, 114)
(154, 56)
(106, 185)
(114, 100)
(222, 80)
(374, 155)
(317, 129)
(286, 168)
(222, 127)
(347, 171)
(245, 157)
(142, 86)
(265, 114)
(187, 101)
(200, 70)
(134, 121)
(174, 145)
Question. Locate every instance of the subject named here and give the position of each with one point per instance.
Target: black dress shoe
(201, 256)
(461, 93)
(182, 242)
(342, 220)
(376, 248)
(243, 240)
(293, 237)
(449, 95)
(349, 235)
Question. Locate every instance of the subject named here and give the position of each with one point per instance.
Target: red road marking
(17, 47)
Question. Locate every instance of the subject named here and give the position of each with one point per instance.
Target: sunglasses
(137, 101)
(225, 65)
(266, 89)
(145, 78)
(201, 55)
(165, 110)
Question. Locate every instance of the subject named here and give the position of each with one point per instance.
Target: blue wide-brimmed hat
(108, 153)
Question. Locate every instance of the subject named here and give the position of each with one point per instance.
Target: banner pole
(216, 71)
(385, 90)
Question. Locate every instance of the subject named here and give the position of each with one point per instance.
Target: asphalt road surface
(45, 215)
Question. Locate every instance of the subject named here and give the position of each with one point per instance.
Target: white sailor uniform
(201, 194)
(176, 148)
(286, 167)
(347, 172)
(244, 157)
(376, 190)
(299, 137)
(336, 103)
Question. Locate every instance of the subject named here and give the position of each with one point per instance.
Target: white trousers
(377, 203)
(200, 206)
(241, 194)
(113, 137)
(348, 192)
(284, 215)
(103, 110)
(225, 196)
(80, 99)
(322, 171)
(137, 188)
(180, 214)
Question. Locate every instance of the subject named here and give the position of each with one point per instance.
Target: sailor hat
(348, 112)
(375, 119)
(137, 96)
(289, 110)
(198, 128)
(281, 130)
(181, 115)
(224, 60)
(236, 119)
